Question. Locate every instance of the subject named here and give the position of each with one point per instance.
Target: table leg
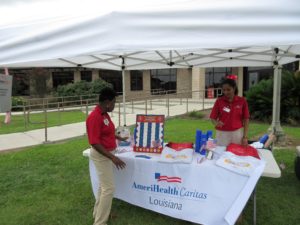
(254, 206)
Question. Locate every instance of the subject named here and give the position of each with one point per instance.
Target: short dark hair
(232, 84)
(107, 93)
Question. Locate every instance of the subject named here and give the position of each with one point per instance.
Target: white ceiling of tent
(177, 59)
(156, 34)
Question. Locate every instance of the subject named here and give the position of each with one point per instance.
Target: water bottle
(203, 148)
(203, 144)
(264, 138)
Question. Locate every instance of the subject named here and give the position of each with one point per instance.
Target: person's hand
(123, 138)
(219, 124)
(118, 137)
(118, 163)
(244, 141)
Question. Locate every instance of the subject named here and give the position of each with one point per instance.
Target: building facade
(192, 82)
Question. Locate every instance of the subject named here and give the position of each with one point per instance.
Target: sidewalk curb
(42, 143)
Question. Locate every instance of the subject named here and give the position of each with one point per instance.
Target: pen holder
(198, 140)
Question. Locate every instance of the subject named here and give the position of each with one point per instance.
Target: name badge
(226, 109)
(106, 122)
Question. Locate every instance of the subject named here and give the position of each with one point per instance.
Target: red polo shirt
(100, 129)
(231, 114)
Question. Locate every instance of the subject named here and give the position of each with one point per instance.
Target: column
(198, 82)
(77, 76)
(240, 81)
(95, 75)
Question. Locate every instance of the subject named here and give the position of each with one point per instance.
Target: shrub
(98, 85)
(74, 89)
(196, 114)
(81, 88)
(260, 99)
(17, 103)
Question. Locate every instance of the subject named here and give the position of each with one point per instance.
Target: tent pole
(276, 127)
(123, 91)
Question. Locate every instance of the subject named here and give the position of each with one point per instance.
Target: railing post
(132, 111)
(62, 102)
(87, 108)
(203, 98)
(25, 118)
(46, 122)
(119, 114)
(146, 107)
(187, 104)
(59, 114)
(168, 100)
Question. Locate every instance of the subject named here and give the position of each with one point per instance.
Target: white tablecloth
(203, 193)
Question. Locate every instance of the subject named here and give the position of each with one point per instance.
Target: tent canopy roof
(160, 34)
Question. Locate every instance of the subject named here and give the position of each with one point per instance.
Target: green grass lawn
(36, 121)
(50, 185)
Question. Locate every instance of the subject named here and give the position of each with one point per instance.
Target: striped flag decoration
(159, 178)
(149, 133)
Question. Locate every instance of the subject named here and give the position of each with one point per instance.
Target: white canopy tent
(128, 35)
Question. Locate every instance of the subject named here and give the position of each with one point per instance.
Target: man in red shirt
(230, 115)
(102, 138)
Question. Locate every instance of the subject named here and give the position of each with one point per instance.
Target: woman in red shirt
(230, 115)
(102, 138)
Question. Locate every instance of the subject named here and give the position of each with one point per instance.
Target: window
(20, 84)
(86, 75)
(62, 78)
(254, 75)
(136, 80)
(214, 76)
(112, 77)
(163, 81)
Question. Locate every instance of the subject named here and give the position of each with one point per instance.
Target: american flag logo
(210, 144)
(159, 178)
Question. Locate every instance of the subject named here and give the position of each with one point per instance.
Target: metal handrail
(168, 97)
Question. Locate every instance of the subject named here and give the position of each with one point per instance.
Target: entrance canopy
(137, 35)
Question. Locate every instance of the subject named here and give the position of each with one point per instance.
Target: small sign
(149, 133)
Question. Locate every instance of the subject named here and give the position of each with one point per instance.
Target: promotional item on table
(149, 133)
(148, 139)
(170, 155)
(244, 165)
(124, 132)
(241, 150)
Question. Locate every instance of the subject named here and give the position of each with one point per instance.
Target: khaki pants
(104, 168)
(224, 138)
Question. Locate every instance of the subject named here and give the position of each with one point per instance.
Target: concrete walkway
(15, 141)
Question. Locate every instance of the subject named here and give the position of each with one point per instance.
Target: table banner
(201, 193)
